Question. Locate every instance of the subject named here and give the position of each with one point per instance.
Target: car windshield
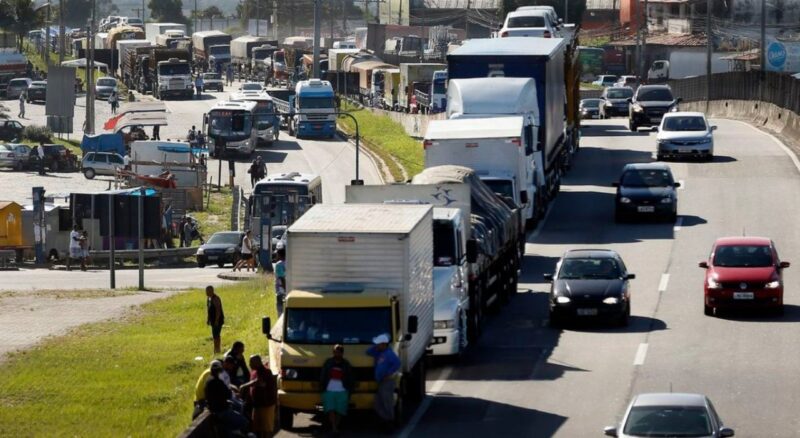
(589, 269)
(655, 95)
(609, 79)
(251, 87)
(647, 178)
(527, 21)
(107, 82)
(277, 232)
(590, 103)
(692, 123)
(336, 326)
(743, 256)
(18, 83)
(668, 421)
(619, 93)
(224, 238)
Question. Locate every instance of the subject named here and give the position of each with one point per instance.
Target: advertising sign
(783, 54)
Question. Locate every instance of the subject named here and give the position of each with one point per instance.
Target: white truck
(357, 271)
(153, 30)
(494, 148)
(414, 76)
(451, 230)
(482, 99)
(684, 64)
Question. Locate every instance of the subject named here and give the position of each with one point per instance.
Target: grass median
(131, 377)
(387, 139)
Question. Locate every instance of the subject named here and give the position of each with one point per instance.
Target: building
(478, 17)
(601, 15)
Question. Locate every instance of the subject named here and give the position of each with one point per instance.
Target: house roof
(665, 39)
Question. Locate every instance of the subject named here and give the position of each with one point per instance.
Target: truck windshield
(503, 187)
(316, 102)
(261, 54)
(220, 50)
(230, 123)
(444, 244)
(336, 326)
(174, 70)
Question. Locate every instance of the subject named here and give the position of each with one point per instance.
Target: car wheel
(625, 318)
(779, 310)
(556, 320)
(221, 264)
(201, 265)
(708, 310)
(89, 174)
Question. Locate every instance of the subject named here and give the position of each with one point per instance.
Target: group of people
(247, 252)
(189, 232)
(257, 171)
(196, 138)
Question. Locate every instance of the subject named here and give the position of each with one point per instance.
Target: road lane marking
(678, 223)
(641, 355)
(426, 403)
(662, 285)
(777, 141)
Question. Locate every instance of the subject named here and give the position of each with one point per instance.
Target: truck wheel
(286, 417)
(89, 173)
(291, 128)
(475, 317)
(54, 166)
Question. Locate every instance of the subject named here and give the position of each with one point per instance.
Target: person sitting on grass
(218, 396)
(241, 374)
(200, 388)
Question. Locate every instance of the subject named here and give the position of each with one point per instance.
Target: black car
(646, 190)
(590, 283)
(223, 247)
(590, 108)
(37, 91)
(615, 101)
(11, 130)
(649, 104)
(56, 158)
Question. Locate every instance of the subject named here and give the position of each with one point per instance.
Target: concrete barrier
(201, 427)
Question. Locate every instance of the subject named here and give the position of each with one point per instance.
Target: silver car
(685, 134)
(16, 87)
(14, 155)
(104, 87)
(101, 163)
(670, 415)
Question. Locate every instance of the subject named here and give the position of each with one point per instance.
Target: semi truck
(495, 239)
(242, 50)
(122, 33)
(432, 97)
(124, 48)
(153, 30)
(413, 76)
(174, 39)
(258, 59)
(212, 49)
(450, 268)
(310, 111)
(539, 60)
(494, 147)
(170, 73)
(357, 271)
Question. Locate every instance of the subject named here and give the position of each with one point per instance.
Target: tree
(167, 11)
(21, 17)
(211, 12)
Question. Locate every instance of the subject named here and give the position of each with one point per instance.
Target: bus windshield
(230, 123)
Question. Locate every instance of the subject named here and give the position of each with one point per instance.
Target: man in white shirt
(75, 251)
(126, 161)
(40, 154)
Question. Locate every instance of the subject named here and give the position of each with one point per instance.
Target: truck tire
(417, 393)
(291, 128)
(475, 316)
(286, 418)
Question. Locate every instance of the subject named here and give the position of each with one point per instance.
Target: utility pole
(317, 31)
(344, 19)
(195, 17)
(144, 12)
(709, 48)
(763, 48)
(258, 17)
(400, 14)
(330, 18)
(274, 19)
(61, 32)
(466, 19)
(48, 29)
(566, 11)
(138, 12)
(90, 75)
(643, 51)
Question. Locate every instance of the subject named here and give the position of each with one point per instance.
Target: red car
(743, 272)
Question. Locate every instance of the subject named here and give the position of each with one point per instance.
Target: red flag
(112, 122)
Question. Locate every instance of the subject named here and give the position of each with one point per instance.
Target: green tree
(20, 17)
(211, 12)
(167, 11)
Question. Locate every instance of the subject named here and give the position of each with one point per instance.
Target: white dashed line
(678, 223)
(662, 285)
(641, 355)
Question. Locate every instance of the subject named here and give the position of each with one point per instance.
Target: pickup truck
(213, 81)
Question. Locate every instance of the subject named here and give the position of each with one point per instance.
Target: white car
(14, 155)
(528, 23)
(685, 134)
(251, 88)
(605, 80)
(101, 163)
(551, 13)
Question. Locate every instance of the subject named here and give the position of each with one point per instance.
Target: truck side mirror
(523, 196)
(266, 325)
(472, 251)
(413, 324)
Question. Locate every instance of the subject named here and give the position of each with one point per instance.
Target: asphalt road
(526, 379)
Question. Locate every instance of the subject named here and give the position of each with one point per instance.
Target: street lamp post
(357, 181)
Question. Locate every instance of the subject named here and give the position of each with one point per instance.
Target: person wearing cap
(337, 384)
(200, 388)
(387, 364)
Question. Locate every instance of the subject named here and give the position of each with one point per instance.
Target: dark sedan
(649, 104)
(223, 247)
(646, 190)
(615, 101)
(590, 108)
(590, 283)
(37, 91)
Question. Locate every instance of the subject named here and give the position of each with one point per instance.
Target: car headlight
(611, 300)
(637, 108)
(562, 300)
(667, 200)
(773, 284)
(624, 200)
(607, 104)
(713, 284)
(230, 250)
(441, 325)
(289, 373)
(200, 251)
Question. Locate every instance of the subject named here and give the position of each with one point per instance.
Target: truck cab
(174, 77)
(314, 109)
(659, 71)
(219, 56)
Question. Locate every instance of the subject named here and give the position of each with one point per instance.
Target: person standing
(229, 75)
(253, 171)
(247, 253)
(387, 364)
(75, 251)
(156, 132)
(262, 169)
(40, 154)
(22, 104)
(215, 316)
(113, 100)
(337, 384)
(188, 232)
(198, 85)
(126, 161)
(263, 388)
(280, 279)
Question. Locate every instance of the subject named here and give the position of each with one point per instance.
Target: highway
(524, 378)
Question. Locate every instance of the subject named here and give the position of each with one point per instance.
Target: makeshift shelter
(103, 143)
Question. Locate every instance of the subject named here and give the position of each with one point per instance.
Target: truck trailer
(153, 30)
(212, 49)
(412, 77)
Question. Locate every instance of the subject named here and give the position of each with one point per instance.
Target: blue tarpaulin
(103, 143)
(182, 149)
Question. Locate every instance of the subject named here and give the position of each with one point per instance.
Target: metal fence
(776, 88)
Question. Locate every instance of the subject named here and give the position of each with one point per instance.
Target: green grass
(387, 139)
(36, 59)
(132, 377)
(590, 86)
(217, 217)
(73, 145)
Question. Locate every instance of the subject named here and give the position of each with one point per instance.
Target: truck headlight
(446, 324)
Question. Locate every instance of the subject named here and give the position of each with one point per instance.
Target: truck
(131, 65)
(170, 73)
(173, 39)
(153, 30)
(450, 235)
(358, 271)
(413, 76)
(124, 48)
(122, 33)
(495, 147)
(258, 63)
(212, 49)
(337, 56)
(684, 64)
(242, 50)
(283, 101)
(432, 97)
(391, 88)
(494, 240)
(12, 65)
(365, 71)
(518, 65)
(311, 110)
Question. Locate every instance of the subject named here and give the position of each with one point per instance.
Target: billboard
(783, 54)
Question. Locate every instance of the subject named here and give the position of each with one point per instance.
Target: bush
(37, 133)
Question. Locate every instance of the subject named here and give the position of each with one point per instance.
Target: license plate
(685, 151)
(212, 257)
(655, 119)
(743, 295)
(317, 126)
(587, 312)
(646, 209)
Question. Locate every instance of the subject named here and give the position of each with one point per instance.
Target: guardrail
(133, 254)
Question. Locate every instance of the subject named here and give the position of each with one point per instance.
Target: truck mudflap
(326, 129)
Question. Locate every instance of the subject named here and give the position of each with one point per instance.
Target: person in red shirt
(263, 387)
(337, 384)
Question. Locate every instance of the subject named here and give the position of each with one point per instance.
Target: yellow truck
(354, 271)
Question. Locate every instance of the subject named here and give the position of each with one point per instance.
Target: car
(37, 91)
(670, 415)
(101, 163)
(213, 81)
(685, 134)
(590, 108)
(104, 87)
(16, 87)
(605, 80)
(277, 234)
(627, 81)
(551, 13)
(615, 101)
(528, 23)
(649, 104)
(743, 272)
(646, 189)
(11, 130)
(223, 247)
(57, 158)
(14, 156)
(251, 87)
(590, 283)
(132, 21)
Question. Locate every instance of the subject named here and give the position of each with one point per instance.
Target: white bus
(233, 124)
(266, 120)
